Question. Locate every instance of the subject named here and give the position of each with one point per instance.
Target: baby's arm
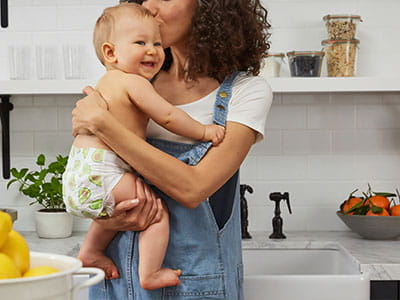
(142, 94)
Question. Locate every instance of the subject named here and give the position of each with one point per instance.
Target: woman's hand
(86, 111)
(135, 214)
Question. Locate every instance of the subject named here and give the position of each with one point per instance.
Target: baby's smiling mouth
(149, 64)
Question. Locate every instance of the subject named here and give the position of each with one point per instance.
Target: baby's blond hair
(105, 24)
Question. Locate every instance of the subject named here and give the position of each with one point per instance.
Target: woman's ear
(108, 51)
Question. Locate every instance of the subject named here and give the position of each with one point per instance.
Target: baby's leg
(97, 239)
(92, 251)
(153, 244)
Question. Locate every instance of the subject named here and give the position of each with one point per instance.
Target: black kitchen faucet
(277, 222)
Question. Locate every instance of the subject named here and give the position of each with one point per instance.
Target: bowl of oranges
(374, 215)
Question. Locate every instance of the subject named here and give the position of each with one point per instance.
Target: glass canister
(305, 63)
(272, 65)
(341, 57)
(341, 27)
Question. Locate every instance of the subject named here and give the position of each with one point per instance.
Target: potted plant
(45, 187)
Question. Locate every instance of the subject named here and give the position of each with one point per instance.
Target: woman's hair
(226, 36)
(105, 24)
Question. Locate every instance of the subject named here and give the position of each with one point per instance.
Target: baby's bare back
(111, 88)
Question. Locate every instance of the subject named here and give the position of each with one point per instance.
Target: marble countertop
(380, 258)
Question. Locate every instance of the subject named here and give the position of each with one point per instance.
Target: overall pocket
(197, 287)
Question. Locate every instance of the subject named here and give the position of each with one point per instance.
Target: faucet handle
(277, 197)
(286, 195)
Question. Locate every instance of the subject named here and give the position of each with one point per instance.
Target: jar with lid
(341, 57)
(341, 27)
(272, 65)
(305, 63)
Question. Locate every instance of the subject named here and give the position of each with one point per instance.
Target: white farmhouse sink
(303, 274)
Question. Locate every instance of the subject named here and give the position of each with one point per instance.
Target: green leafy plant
(43, 185)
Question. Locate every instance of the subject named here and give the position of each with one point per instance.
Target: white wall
(318, 147)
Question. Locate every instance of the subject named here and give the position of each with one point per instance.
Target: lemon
(5, 226)
(17, 249)
(40, 271)
(7, 268)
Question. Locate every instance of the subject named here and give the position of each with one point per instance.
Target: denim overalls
(205, 242)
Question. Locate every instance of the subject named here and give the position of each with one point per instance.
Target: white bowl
(56, 286)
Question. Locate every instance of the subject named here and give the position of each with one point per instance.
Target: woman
(209, 41)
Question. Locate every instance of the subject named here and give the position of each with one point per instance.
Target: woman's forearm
(189, 185)
(164, 171)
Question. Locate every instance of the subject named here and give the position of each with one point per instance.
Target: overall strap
(222, 102)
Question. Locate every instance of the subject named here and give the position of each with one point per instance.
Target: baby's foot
(162, 278)
(99, 260)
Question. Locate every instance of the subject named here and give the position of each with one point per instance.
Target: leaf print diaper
(91, 175)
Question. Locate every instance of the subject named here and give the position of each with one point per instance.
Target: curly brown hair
(226, 36)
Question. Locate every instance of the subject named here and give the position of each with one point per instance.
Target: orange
(379, 201)
(350, 204)
(395, 210)
(384, 212)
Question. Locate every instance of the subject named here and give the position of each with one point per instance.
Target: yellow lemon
(40, 271)
(17, 249)
(5, 226)
(7, 268)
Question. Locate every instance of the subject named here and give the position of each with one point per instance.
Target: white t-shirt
(249, 105)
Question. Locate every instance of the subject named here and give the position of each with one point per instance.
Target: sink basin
(303, 274)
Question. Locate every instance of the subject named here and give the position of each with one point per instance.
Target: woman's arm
(189, 185)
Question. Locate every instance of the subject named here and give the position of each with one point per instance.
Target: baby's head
(127, 37)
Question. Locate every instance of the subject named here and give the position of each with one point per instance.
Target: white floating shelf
(334, 84)
(34, 87)
(279, 85)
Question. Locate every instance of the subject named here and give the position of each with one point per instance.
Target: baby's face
(138, 47)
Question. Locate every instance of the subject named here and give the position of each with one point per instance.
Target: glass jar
(341, 57)
(341, 27)
(272, 65)
(305, 63)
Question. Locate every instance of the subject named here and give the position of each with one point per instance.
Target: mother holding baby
(214, 49)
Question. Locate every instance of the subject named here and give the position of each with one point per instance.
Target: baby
(128, 43)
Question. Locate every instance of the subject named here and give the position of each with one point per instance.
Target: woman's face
(175, 18)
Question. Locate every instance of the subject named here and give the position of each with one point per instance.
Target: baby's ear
(108, 51)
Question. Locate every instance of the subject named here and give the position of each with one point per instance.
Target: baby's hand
(214, 133)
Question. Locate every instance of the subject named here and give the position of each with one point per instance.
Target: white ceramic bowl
(56, 286)
(373, 227)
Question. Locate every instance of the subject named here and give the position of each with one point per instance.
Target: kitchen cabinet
(385, 290)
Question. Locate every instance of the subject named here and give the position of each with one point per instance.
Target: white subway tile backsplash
(331, 167)
(303, 142)
(53, 143)
(34, 118)
(21, 143)
(357, 141)
(270, 145)
(331, 116)
(65, 118)
(355, 98)
(391, 98)
(391, 141)
(31, 18)
(287, 117)
(377, 167)
(378, 116)
(84, 17)
(21, 100)
(281, 168)
(301, 98)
